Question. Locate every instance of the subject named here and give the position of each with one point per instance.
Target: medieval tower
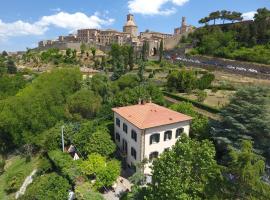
(130, 26)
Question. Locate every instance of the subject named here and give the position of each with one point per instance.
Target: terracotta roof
(150, 115)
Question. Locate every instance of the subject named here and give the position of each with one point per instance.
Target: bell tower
(130, 26)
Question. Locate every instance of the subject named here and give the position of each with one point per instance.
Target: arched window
(167, 135)
(134, 135)
(154, 138)
(179, 132)
(153, 155)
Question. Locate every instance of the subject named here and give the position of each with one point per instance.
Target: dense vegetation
(188, 80)
(246, 117)
(247, 40)
(221, 160)
(49, 186)
(33, 111)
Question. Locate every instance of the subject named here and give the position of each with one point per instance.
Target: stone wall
(172, 42)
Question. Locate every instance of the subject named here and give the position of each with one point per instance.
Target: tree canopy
(37, 107)
(49, 186)
(85, 103)
(247, 117)
(199, 128)
(188, 171)
(105, 171)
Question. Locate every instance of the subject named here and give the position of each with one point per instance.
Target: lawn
(217, 99)
(16, 167)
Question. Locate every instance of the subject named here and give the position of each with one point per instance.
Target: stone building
(146, 130)
(69, 38)
(87, 35)
(184, 28)
(130, 26)
(103, 39)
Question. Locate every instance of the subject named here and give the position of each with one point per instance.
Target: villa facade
(146, 130)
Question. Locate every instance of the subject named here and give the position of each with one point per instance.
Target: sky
(25, 22)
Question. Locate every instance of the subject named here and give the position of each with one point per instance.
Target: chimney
(139, 101)
(150, 100)
(143, 102)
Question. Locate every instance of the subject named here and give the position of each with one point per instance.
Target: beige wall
(142, 146)
(127, 136)
(162, 145)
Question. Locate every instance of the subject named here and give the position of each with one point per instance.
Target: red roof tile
(150, 115)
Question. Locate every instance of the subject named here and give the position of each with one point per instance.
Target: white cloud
(249, 15)
(154, 7)
(20, 28)
(180, 2)
(64, 20)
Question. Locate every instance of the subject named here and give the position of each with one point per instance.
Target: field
(217, 99)
(18, 168)
(238, 80)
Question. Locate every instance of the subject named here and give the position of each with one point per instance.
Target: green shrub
(13, 182)
(84, 103)
(195, 103)
(49, 186)
(44, 166)
(85, 192)
(205, 81)
(2, 165)
(214, 89)
(201, 95)
(104, 171)
(151, 75)
(65, 164)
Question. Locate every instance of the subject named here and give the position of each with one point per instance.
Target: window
(125, 128)
(179, 132)
(153, 155)
(118, 122)
(124, 146)
(117, 137)
(167, 135)
(133, 153)
(154, 138)
(134, 135)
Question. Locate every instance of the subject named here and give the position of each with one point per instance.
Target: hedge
(64, 164)
(195, 103)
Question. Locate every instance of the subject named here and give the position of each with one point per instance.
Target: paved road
(238, 67)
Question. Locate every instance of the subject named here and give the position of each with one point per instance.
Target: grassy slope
(14, 166)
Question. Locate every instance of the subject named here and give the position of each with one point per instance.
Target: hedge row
(64, 164)
(195, 103)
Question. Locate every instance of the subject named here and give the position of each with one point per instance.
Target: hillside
(246, 41)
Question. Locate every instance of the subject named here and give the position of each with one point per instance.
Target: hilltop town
(103, 39)
(123, 115)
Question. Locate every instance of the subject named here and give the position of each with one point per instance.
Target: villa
(146, 130)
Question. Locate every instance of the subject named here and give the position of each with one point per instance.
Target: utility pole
(63, 142)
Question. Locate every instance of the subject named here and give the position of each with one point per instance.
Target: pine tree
(161, 50)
